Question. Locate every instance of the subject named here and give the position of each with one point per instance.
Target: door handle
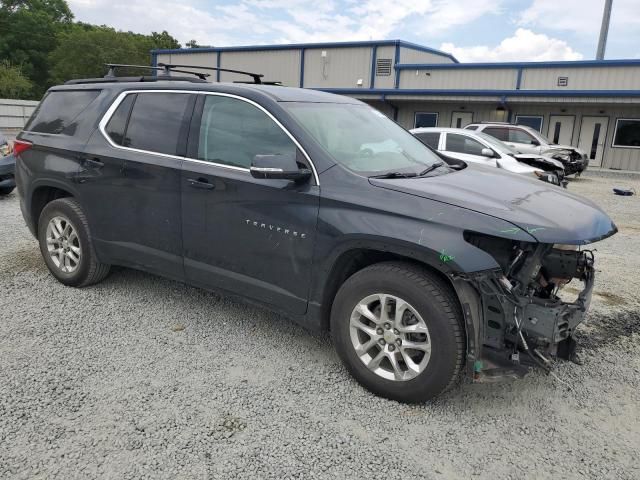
(93, 163)
(200, 183)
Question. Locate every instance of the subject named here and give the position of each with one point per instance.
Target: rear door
(249, 236)
(134, 211)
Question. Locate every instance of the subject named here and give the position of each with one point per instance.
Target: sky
(472, 30)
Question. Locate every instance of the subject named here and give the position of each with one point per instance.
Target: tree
(82, 52)
(13, 84)
(29, 32)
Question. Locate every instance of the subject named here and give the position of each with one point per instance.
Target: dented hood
(549, 213)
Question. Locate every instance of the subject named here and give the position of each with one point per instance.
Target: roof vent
(383, 67)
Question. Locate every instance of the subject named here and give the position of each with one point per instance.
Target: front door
(561, 129)
(593, 134)
(461, 119)
(249, 236)
(467, 149)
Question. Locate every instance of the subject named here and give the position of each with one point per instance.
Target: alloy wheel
(63, 244)
(390, 337)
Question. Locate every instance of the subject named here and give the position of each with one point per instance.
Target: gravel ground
(141, 377)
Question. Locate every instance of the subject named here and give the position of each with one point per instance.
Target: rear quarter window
(429, 138)
(59, 110)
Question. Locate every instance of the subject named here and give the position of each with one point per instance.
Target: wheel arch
(355, 256)
(43, 193)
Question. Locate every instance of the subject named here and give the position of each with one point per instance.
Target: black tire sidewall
(61, 208)
(444, 361)
(6, 190)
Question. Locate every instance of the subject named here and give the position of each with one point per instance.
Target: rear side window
(429, 138)
(471, 127)
(232, 132)
(59, 110)
(496, 132)
(155, 122)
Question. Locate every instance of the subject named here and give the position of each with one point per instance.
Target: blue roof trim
(484, 93)
(297, 46)
(568, 64)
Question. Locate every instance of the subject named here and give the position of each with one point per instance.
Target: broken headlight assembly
(525, 321)
(549, 177)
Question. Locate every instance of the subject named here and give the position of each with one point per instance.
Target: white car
(477, 147)
(528, 140)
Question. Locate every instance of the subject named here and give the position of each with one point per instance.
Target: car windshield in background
(363, 139)
(497, 144)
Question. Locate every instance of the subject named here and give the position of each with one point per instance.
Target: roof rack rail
(257, 77)
(162, 67)
(140, 78)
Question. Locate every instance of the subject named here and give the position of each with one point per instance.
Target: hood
(554, 149)
(548, 213)
(541, 158)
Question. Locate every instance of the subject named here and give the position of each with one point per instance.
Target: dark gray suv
(424, 271)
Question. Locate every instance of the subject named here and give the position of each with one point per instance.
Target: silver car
(477, 147)
(528, 140)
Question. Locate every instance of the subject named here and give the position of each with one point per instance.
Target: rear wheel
(66, 244)
(398, 329)
(6, 190)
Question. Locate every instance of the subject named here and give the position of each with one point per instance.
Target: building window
(424, 119)
(627, 133)
(383, 67)
(533, 121)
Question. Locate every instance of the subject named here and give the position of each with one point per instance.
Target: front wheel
(398, 329)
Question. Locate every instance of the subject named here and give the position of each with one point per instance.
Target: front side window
(463, 144)
(58, 111)
(627, 133)
(233, 132)
(426, 120)
(533, 121)
(520, 136)
(501, 134)
(155, 122)
(362, 139)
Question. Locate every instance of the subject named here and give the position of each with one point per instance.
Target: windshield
(363, 139)
(497, 144)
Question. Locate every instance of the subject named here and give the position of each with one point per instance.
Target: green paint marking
(532, 230)
(510, 230)
(445, 257)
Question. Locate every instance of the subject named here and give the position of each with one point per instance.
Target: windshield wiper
(431, 168)
(395, 175)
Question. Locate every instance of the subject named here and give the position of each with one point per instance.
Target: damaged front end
(523, 321)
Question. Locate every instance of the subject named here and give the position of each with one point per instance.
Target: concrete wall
(14, 114)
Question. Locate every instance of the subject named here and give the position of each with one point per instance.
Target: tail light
(20, 146)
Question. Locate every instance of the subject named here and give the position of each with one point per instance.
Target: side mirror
(278, 167)
(487, 152)
(535, 143)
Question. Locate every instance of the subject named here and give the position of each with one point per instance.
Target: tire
(6, 190)
(437, 309)
(66, 215)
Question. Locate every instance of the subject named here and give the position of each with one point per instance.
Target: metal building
(594, 105)
(14, 115)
